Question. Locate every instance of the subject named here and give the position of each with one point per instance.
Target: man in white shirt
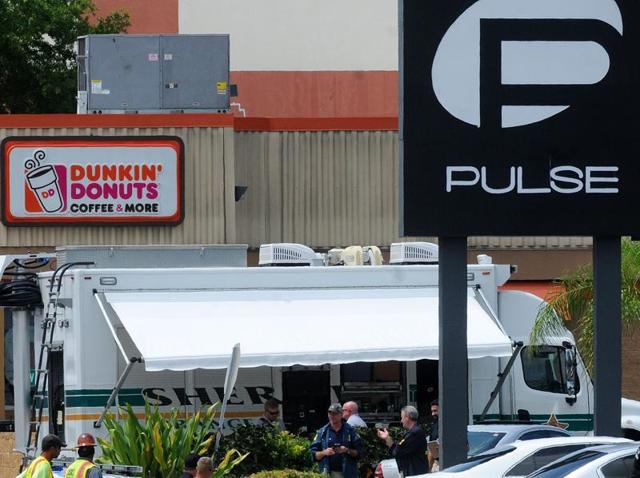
(350, 414)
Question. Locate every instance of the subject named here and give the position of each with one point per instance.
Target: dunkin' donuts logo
(45, 185)
(121, 186)
(93, 180)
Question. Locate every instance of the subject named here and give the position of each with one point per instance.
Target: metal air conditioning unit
(413, 253)
(287, 254)
(153, 73)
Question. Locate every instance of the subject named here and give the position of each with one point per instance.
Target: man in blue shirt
(337, 446)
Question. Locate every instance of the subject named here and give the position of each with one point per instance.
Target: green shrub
(375, 449)
(287, 474)
(269, 448)
(159, 444)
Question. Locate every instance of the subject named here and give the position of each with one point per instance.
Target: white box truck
(309, 335)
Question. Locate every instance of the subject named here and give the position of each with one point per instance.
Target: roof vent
(413, 253)
(285, 254)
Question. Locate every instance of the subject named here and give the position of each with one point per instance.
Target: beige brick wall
(630, 360)
(9, 461)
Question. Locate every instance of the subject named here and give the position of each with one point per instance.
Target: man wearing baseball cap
(337, 446)
(41, 466)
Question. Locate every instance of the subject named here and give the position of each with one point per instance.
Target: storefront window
(376, 387)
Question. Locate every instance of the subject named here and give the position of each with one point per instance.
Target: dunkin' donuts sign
(92, 180)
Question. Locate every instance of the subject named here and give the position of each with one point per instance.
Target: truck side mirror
(570, 372)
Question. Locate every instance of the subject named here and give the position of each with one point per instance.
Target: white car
(607, 461)
(485, 437)
(522, 458)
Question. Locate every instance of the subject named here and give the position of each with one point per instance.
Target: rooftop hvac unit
(153, 73)
(286, 254)
(413, 253)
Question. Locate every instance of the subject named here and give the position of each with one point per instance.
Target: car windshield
(480, 442)
(478, 460)
(565, 466)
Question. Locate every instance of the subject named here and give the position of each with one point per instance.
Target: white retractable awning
(183, 330)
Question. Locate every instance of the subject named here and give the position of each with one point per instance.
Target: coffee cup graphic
(43, 181)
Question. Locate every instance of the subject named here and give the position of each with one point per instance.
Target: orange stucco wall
(278, 94)
(543, 288)
(317, 93)
(147, 16)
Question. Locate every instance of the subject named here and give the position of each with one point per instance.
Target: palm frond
(573, 302)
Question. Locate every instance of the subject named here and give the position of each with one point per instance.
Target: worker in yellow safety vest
(84, 467)
(41, 466)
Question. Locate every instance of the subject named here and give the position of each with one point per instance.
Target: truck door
(542, 388)
(56, 392)
(306, 397)
(541, 385)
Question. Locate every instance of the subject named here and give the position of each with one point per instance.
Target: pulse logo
(509, 63)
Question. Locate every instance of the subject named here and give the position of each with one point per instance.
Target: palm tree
(572, 301)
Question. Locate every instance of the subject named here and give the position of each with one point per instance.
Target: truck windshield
(543, 369)
(480, 442)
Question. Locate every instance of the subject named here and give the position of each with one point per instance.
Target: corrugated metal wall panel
(325, 189)
(209, 207)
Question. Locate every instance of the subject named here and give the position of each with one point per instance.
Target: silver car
(606, 461)
(486, 437)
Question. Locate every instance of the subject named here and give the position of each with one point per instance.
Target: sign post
(520, 118)
(607, 336)
(452, 364)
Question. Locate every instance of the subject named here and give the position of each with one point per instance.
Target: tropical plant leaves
(572, 301)
(160, 443)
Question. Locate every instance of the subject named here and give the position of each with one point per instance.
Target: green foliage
(159, 444)
(572, 301)
(287, 474)
(283, 455)
(269, 448)
(375, 449)
(38, 73)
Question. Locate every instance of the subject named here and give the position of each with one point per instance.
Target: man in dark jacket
(410, 452)
(337, 446)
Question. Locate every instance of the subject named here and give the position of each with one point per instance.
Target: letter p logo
(508, 63)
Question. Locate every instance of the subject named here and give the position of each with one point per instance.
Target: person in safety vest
(84, 467)
(41, 466)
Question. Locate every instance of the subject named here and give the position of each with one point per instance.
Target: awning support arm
(116, 390)
(503, 376)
